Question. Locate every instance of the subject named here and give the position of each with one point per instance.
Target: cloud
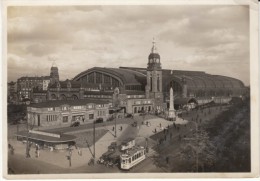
(205, 38)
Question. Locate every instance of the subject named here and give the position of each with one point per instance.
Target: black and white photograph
(143, 89)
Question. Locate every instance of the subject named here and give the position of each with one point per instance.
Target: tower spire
(53, 60)
(154, 49)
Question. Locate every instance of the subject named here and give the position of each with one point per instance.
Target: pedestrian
(167, 160)
(160, 125)
(38, 153)
(164, 130)
(113, 129)
(79, 152)
(174, 125)
(155, 130)
(165, 137)
(121, 128)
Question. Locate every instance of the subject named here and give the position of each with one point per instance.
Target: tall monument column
(171, 115)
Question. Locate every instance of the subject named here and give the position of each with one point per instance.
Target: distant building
(38, 95)
(65, 90)
(54, 75)
(45, 84)
(66, 112)
(12, 91)
(25, 85)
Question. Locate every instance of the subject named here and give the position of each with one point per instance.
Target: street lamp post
(115, 124)
(94, 141)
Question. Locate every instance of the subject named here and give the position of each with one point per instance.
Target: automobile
(112, 147)
(99, 120)
(75, 124)
(129, 116)
(134, 124)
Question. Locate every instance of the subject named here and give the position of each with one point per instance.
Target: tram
(132, 157)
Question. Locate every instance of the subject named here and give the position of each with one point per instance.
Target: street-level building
(65, 112)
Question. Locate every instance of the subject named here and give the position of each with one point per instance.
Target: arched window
(63, 97)
(53, 97)
(151, 83)
(158, 83)
(74, 97)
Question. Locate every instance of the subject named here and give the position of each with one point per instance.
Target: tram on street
(132, 157)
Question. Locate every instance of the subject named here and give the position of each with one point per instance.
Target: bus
(132, 157)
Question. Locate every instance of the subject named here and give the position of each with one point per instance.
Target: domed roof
(154, 55)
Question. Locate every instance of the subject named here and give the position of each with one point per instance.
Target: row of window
(52, 118)
(135, 96)
(136, 156)
(65, 119)
(142, 102)
(65, 108)
(99, 96)
(140, 109)
(134, 87)
(101, 113)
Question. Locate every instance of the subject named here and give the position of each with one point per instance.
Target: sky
(214, 39)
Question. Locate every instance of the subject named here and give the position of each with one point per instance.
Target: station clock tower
(154, 79)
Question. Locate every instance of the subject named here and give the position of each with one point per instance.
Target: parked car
(99, 120)
(75, 124)
(112, 147)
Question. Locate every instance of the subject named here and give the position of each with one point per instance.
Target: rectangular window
(77, 107)
(91, 116)
(65, 119)
(50, 109)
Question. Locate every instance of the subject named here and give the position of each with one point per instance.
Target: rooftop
(57, 103)
(40, 137)
(34, 78)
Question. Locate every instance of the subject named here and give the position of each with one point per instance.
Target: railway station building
(147, 89)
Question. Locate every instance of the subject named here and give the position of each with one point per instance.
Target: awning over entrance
(47, 137)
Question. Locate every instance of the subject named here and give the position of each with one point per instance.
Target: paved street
(56, 161)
